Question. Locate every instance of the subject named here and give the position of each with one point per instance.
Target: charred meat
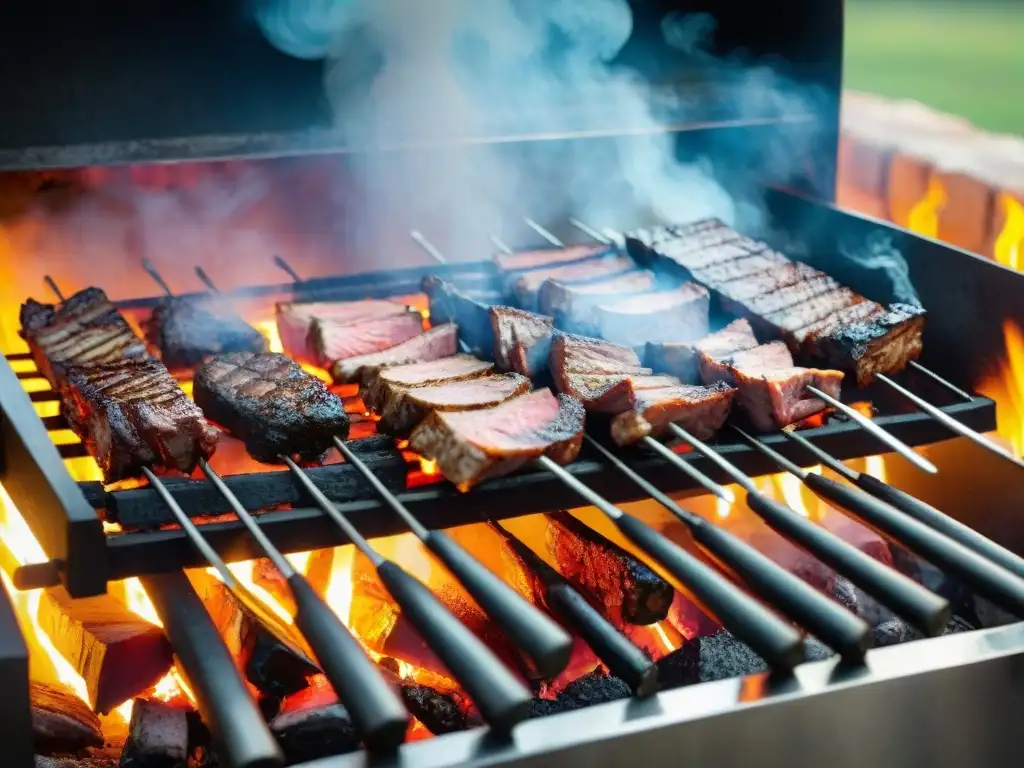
(440, 341)
(771, 390)
(85, 330)
(376, 388)
(333, 340)
(271, 404)
(294, 320)
(132, 414)
(676, 315)
(522, 340)
(188, 331)
(700, 410)
(472, 446)
(405, 408)
(448, 304)
(600, 374)
(527, 287)
(681, 359)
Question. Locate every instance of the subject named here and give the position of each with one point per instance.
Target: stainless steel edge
(947, 701)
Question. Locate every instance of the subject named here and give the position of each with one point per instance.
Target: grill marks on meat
(522, 340)
(675, 315)
(85, 330)
(132, 414)
(527, 287)
(700, 410)
(188, 331)
(294, 320)
(440, 341)
(682, 359)
(823, 322)
(771, 390)
(333, 340)
(405, 408)
(376, 388)
(471, 446)
(271, 404)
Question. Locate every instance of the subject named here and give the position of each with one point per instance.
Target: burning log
(318, 574)
(596, 687)
(268, 664)
(626, 589)
(117, 653)
(312, 724)
(61, 722)
(157, 736)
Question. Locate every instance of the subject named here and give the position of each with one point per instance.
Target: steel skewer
(844, 632)
(539, 636)
(543, 232)
(916, 508)
(908, 599)
(502, 699)
(965, 396)
(280, 263)
(426, 245)
(376, 709)
(207, 281)
(157, 277)
(500, 244)
(52, 285)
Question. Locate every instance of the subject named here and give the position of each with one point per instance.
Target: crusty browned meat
(471, 446)
(294, 320)
(132, 414)
(681, 359)
(407, 407)
(85, 330)
(676, 315)
(189, 330)
(271, 404)
(522, 340)
(527, 287)
(333, 341)
(742, 268)
(771, 390)
(602, 375)
(440, 341)
(376, 388)
(700, 410)
(572, 305)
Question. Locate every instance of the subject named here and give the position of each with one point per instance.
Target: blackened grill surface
(188, 331)
(271, 404)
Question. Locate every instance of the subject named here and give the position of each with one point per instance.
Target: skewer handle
(981, 575)
(940, 521)
(908, 599)
(779, 643)
(846, 634)
(541, 638)
(376, 709)
(501, 698)
(623, 659)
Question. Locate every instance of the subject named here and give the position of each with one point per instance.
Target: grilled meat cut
(407, 407)
(333, 341)
(440, 341)
(190, 330)
(85, 330)
(448, 304)
(513, 264)
(771, 390)
(294, 320)
(676, 315)
(132, 414)
(527, 287)
(376, 388)
(602, 375)
(472, 446)
(823, 322)
(572, 305)
(700, 410)
(268, 402)
(522, 340)
(681, 359)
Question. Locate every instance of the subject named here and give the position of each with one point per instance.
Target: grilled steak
(770, 389)
(681, 359)
(440, 341)
(271, 404)
(132, 414)
(700, 410)
(188, 331)
(522, 340)
(573, 306)
(546, 257)
(471, 446)
(448, 304)
(676, 315)
(604, 376)
(333, 340)
(822, 322)
(375, 388)
(407, 407)
(527, 287)
(86, 330)
(295, 319)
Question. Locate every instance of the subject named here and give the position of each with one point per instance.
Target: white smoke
(878, 252)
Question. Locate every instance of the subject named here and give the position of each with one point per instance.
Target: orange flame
(924, 217)
(1009, 245)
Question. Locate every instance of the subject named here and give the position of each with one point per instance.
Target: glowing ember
(722, 508)
(1009, 245)
(428, 466)
(924, 217)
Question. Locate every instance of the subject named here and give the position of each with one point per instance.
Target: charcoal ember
(991, 615)
(439, 712)
(62, 722)
(815, 650)
(860, 603)
(890, 632)
(44, 761)
(956, 625)
(157, 736)
(312, 724)
(723, 656)
(681, 667)
(595, 687)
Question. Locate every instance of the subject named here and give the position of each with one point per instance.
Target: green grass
(964, 57)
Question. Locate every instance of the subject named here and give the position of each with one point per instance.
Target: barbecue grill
(97, 134)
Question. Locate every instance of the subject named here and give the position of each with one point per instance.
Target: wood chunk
(621, 586)
(61, 721)
(317, 572)
(157, 736)
(118, 654)
(313, 724)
